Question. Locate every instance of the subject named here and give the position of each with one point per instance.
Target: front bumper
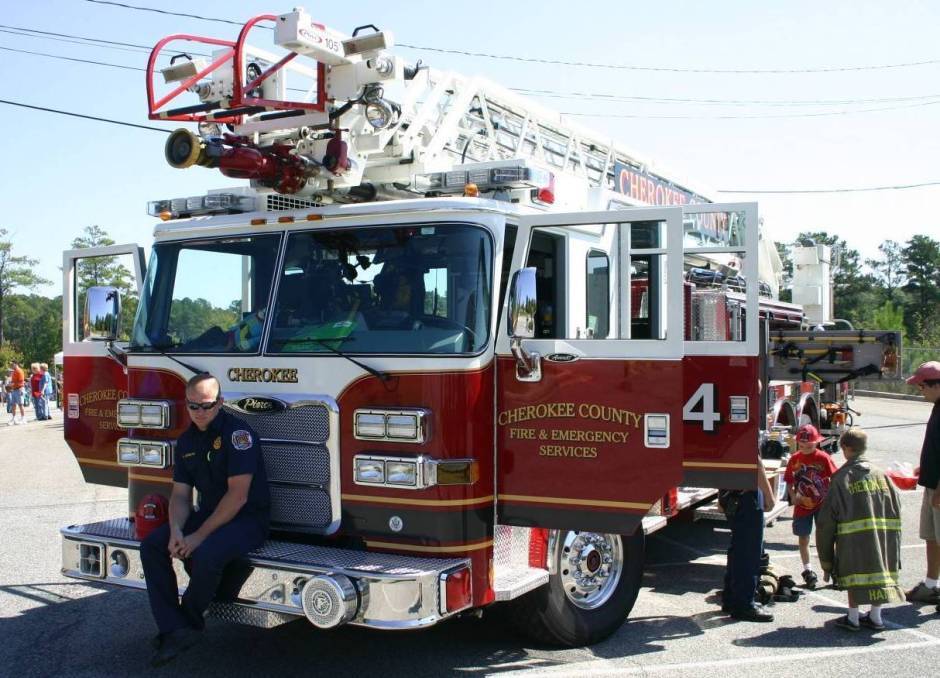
(391, 591)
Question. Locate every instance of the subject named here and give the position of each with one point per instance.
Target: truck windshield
(412, 289)
(208, 296)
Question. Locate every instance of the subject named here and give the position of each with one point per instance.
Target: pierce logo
(259, 405)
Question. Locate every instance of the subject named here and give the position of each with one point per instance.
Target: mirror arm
(527, 364)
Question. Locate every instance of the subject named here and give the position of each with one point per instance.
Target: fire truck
(481, 346)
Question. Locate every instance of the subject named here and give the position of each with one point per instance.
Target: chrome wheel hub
(590, 565)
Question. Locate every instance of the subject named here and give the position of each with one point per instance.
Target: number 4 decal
(701, 407)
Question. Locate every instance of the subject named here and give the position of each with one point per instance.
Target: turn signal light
(456, 590)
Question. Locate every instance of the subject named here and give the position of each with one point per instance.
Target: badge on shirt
(241, 440)
(217, 443)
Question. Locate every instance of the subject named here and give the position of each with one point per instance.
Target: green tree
(108, 271)
(35, 326)
(189, 318)
(889, 268)
(15, 272)
(922, 261)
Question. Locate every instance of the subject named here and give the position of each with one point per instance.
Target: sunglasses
(201, 406)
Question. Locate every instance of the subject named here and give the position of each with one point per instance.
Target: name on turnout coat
(858, 535)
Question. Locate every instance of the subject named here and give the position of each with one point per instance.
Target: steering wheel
(448, 324)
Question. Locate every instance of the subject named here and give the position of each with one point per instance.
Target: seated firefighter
(220, 456)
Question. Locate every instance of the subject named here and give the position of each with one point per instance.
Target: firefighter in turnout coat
(859, 535)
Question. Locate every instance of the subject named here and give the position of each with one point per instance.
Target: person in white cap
(927, 379)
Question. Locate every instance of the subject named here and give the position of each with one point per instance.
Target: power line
(730, 102)
(747, 117)
(897, 187)
(67, 39)
(65, 58)
(79, 37)
(632, 116)
(86, 117)
(586, 64)
(600, 96)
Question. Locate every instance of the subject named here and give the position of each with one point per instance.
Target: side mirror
(520, 322)
(102, 317)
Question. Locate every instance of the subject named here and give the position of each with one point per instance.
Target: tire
(555, 614)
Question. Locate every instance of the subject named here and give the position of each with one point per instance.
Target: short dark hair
(201, 377)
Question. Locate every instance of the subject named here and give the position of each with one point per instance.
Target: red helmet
(152, 512)
(808, 434)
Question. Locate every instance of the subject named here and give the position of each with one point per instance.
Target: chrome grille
(302, 469)
(308, 423)
(296, 462)
(299, 507)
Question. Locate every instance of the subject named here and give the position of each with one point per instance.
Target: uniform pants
(234, 539)
(744, 553)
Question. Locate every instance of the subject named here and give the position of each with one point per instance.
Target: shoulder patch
(241, 439)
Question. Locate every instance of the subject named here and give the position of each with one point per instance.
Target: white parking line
(601, 667)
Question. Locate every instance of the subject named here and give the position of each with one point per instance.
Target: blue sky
(61, 174)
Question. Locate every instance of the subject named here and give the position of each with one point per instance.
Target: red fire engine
(479, 344)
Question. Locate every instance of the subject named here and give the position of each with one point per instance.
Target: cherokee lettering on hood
(268, 375)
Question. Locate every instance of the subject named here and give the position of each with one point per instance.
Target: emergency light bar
(213, 203)
(487, 177)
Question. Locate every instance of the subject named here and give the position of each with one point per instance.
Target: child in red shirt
(807, 477)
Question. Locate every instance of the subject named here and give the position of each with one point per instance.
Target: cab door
(93, 379)
(593, 437)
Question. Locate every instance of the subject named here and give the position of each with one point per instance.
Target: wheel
(595, 583)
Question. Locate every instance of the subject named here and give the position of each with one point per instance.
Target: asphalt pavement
(53, 626)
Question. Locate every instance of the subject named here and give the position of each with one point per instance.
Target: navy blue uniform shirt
(206, 459)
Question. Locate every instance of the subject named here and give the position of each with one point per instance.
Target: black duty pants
(744, 553)
(234, 539)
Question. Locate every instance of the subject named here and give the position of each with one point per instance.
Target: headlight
(402, 473)
(151, 454)
(152, 415)
(119, 564)
(370, 470)
(402, 426)
(128, 452)
(132, 413)
(370, 425)
(128, 414)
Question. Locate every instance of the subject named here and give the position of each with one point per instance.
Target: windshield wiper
(325, 343)
(161, 349)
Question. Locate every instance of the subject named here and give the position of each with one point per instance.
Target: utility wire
(747, 117)
(67, 39)
(633, 116)
(898, 187)
(83, 61)
(86, 117)
(580, 96)
(558, 62)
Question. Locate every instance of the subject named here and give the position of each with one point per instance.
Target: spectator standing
(858, 535)
(35, 388)
(807, 476)
(17, 382)
(46, 389)
(927, 379)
